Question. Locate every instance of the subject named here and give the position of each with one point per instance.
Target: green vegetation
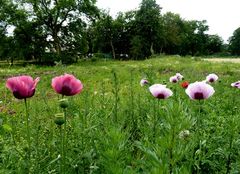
(117, 126)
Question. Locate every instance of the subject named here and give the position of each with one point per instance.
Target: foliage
(234, 42)
(147, 27)
(79, 28)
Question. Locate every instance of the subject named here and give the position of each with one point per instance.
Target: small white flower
(160, 91)
(143, 82)
(173, 79)
(211, 78)
(179, 76)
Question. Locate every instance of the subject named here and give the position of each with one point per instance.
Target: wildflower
(144, 82)
(179, 76)
(199, 90)
(160, 91)
(22, 87)
(184, 84)
(173, 79)
(67, 85)
(211, 78)
(236, 84)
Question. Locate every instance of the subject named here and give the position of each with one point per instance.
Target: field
(116, 126)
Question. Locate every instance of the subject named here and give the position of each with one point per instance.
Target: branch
(65, 16)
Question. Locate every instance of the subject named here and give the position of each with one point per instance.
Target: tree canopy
(234, 42)
(72, 28)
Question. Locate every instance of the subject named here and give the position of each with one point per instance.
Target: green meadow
(116, 126)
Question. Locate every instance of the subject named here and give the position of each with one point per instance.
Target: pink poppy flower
(22, 87)
(67, 85)
(199, 91)
(236, 84)
(173, 79)
(179, 76)
(160, 91)
(211, 78)
(143, 82)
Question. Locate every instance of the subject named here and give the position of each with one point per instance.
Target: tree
(214, 44)
(58, 21)
(112, 35)
(234, 42)
(105, 33)
(147, 25)
(172, 30)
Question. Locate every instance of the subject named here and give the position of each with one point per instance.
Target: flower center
(160, 96)
(17, 95)
(66, 90)
(211, 80)
(198, 95)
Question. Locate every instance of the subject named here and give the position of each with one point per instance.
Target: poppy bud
(63, 103)
(59, 119)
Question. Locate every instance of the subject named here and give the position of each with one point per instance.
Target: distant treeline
(54, 30)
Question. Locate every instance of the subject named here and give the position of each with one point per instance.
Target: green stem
(62, 150)
(28, 136)
(171, 150)
(64, 141)
(155, 119)
(200, 131)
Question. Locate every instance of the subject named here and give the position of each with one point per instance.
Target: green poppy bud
(59, 119)
(63, 103)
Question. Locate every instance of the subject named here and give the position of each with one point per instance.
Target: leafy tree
(113, 35)
(234, 42)
(58, 21)
(147, 25)
(171, 37)
(105, 34)
(214, 44)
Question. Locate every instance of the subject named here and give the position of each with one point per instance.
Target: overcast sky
(223, 16)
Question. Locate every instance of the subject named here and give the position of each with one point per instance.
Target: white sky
(223, 16)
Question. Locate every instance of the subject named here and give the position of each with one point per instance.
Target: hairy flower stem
(229, 156)
(155, 118)
(200, 131)
(64, 138)
(62, 150)
(28, 137)
(116, 97)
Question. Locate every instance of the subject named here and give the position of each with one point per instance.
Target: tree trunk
(113, 50)
(56, 43)
(151, 49)
(11, 64)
